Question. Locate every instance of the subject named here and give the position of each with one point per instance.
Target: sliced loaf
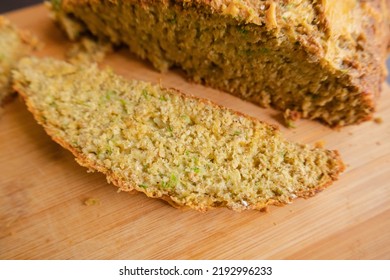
(313, 59)
(188, 151)
(13, 45)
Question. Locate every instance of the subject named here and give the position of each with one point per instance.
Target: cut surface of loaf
(13, 45)
(185, 150)
(314, 59)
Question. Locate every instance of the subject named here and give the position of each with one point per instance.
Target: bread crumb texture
(187, 151)
(321, 60)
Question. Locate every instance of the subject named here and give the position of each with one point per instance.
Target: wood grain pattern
(42, 191)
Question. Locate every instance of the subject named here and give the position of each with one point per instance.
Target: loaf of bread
(187, 151)
(312, 59)
(13, 45)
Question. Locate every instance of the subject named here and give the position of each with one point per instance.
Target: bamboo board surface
(43, 190)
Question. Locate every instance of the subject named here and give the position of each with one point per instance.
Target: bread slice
(14, 44)
(188, 151)
(313, 59)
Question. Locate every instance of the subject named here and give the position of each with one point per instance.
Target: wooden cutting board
(43, 190)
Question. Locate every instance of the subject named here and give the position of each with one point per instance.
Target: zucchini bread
(314, 59)
(13, 45)
(185, 150)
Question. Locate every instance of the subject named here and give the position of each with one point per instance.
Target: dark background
(9, 5)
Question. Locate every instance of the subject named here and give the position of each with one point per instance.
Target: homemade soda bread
(314, 59)
(168, 145)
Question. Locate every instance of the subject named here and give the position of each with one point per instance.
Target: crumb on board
(91, 201)
(88, 50)
(378, 120)
(319, 144)
(265, 209)
(290, 117)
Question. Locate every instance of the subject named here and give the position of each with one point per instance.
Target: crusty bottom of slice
(185, 150)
